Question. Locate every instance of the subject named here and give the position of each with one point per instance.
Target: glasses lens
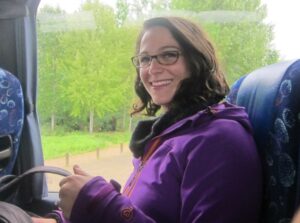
(135, 61)
(144, 60)
(141, 60)
(168, 57)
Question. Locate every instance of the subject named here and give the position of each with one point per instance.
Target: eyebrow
(162, 49)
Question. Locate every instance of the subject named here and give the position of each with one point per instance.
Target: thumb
(78, 171)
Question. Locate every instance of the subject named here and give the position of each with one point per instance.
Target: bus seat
(11, 120)
(271, 96)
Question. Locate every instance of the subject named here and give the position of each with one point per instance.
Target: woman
(197, 162)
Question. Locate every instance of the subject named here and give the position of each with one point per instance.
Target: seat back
(271, 96)
(11, 120)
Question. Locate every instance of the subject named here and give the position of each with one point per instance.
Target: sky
(283, 14)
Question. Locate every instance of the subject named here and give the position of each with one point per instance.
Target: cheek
(183, 74)
(143, 75)
(184, 70)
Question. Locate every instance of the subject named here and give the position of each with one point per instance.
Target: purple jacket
(206, 169)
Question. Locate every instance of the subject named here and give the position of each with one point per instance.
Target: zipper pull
(141, 166)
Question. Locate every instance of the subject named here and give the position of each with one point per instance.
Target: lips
(160, 83)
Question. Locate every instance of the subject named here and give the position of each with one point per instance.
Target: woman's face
(161, 81)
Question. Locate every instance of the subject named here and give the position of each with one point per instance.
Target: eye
(144, 59)
(169, 55)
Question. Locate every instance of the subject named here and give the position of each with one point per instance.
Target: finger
(43, 220)
(63, 204)
(66, 214)
(64, 190)
(78, 171)
(56, 203)
(60, 195)
(64, 207)
(35, 220)
(63, 181)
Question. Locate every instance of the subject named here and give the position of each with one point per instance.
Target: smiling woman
(194, 155)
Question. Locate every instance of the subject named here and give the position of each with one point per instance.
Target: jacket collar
(161, 126)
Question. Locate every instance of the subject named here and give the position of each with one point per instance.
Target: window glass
(86, 77)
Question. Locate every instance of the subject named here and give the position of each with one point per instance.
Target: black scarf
(148, 129)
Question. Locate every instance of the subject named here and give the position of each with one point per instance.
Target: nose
(154, 66)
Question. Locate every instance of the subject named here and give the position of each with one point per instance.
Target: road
(110, 163)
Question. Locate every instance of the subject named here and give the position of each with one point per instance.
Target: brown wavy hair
(206, 84)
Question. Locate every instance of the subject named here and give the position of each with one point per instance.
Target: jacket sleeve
(58, 216)
(99, 201)
(222, 177)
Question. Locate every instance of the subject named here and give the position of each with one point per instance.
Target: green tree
(98, 63)
(242, 39)
(122, 11)
(84, 70)
(51, 104)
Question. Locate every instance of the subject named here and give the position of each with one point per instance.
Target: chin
(162, 104)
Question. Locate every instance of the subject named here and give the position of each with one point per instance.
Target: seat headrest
(11, 118)
(271, 96)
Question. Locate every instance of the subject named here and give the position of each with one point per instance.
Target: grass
(78, 142)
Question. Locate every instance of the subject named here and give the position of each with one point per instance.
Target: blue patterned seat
(271, 96)
(11, 120)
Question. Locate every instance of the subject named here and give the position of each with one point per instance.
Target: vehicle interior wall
(18, 53)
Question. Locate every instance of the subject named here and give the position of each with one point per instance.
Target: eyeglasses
(165, 58)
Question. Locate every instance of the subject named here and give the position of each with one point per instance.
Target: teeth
(160, 83)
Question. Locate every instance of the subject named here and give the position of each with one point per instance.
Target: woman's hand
(69, 189)
(43, 220)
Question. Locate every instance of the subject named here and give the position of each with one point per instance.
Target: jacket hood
(224, 110)
(168, 123)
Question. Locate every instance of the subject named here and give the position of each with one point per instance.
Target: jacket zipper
(131, 185)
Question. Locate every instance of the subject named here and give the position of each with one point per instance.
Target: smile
(160, 83)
